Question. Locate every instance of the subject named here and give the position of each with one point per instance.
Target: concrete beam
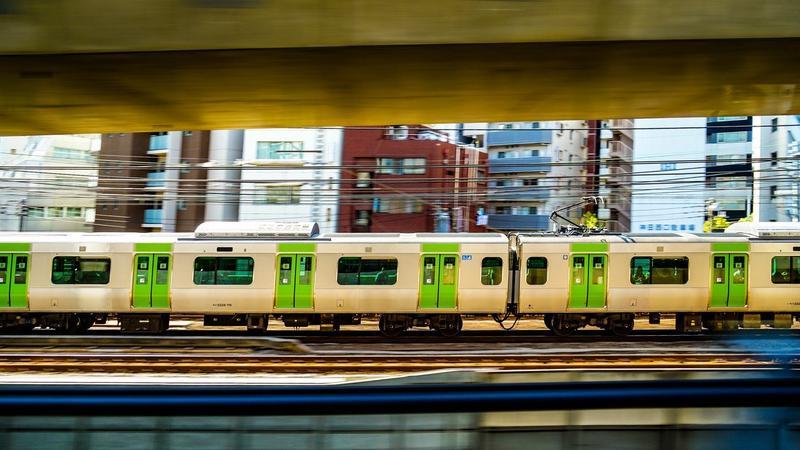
(88, 26)
(42, 94)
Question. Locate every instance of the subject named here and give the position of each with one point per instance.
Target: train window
(492, 271)
(162, 269)
(21, 271)
(3, 269)
(536, 270)
(449, 270)
(77, 270)
(429, 270)
(304, 267)
(647, 270)
(786, 270)
(366, 272)
(223, 271)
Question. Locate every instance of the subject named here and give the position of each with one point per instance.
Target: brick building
(409, 179)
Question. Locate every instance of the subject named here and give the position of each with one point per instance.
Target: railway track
(317, 364)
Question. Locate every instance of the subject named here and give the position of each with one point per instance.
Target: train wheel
(621, 327)
(548, 321)
(451, 326)
(563, 327)
(390, 329)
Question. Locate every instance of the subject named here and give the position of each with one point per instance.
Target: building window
(71, 153)
(35, 211)
(395, 205)
(729, 137)
(362, 218)
(414, 166)
(77, 270)
(536, 273)
(491, 271)
(366, 272)
(772, 192)
(390, 166)
(74, 212)
(398, 132)
(278, 195)
(182, 205)
(773, 159)
(501, 155)
(223, 271)
(530, 182)
(279, 150)
(647, 270)
(668, 166)
(363, 179)
(774, 127)
(502, 210)
(786, 270)
(55, 211)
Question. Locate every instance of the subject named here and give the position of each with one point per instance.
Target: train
(247, 273)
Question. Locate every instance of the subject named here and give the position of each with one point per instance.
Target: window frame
(794, 271)
(546, 270)
(500, 271)
(216, 271)
(77, 265)
(359, 270)
(651, 267)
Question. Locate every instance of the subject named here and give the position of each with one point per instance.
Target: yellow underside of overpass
(97, 65)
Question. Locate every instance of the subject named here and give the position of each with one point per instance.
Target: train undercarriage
(392, 325)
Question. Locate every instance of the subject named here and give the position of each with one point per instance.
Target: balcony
(520, 165)
(621, 150)
(496, 138)
(508, 222)
(155, 180)
(153, 217)
(158, 144)
(523, 193)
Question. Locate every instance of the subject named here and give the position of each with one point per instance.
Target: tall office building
(534, 168)
(158, 181)
(729, 168)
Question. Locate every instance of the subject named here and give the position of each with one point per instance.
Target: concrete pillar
(222, 195)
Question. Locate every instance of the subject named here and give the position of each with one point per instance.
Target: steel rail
(216, 363)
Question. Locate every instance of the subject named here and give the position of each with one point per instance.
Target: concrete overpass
(97, 65)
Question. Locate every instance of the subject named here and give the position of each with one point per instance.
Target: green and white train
(246, 273)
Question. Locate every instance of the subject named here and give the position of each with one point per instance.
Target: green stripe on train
(15, 247)
(297, 247)
(589, 247)
(441, 248)
(152, 248)
(730, 247)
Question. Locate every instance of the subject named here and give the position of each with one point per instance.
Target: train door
(588, 278)
(151, 280)
(729, 280)
(438, 281)
(14, 280)
(294, 285)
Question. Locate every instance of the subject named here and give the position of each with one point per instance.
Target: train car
(243, 273)
(717, 281)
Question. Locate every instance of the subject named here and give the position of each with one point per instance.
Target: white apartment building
(291, 174)
(777, 169)
(669, 175)
(48, 183)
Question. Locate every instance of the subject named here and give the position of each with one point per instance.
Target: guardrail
(55, 400)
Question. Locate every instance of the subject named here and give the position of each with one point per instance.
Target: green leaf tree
(717, 224)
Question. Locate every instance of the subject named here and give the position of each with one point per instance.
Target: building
(291, 174)
(48, 182)
(669, 175)
(159, 181)
(612, 141)
(534, 168)
(729, 168)
(777, 169)
(409, 178)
